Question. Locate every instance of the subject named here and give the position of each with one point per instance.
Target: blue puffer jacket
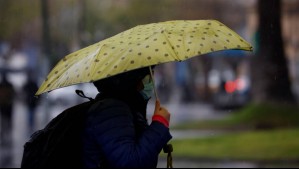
(117, 136)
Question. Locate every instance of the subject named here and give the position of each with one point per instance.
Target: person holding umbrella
(117, 133)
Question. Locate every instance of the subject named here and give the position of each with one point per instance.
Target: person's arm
(115, 134)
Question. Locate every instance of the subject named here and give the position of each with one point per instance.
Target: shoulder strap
(81, 94)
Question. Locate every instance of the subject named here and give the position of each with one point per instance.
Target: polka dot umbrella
(142, 46)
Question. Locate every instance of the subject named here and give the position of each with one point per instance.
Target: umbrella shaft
(152, 77)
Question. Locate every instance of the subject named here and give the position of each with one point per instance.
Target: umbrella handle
(152, 77)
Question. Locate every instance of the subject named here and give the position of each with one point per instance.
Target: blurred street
(11, 156)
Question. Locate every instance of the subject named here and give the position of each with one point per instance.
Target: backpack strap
(81, 94)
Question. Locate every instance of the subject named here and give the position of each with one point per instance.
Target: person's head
(125, 82)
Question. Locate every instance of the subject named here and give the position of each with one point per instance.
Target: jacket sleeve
(112, 130)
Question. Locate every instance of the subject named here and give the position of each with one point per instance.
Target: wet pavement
(11, 156)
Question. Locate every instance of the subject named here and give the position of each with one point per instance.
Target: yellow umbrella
(142, 46)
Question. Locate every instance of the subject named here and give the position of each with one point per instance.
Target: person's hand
(161, 111)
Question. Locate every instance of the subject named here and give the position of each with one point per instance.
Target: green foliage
(265, 116)
(260, 146)
(15, 14)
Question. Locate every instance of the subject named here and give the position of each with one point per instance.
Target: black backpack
(59, 144)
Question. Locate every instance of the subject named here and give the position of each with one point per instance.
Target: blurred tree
(46, 36)
(18, 20)
(270, 72)
(15, 14)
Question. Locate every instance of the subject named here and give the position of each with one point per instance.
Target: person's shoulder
(109, 105)
(106, 109)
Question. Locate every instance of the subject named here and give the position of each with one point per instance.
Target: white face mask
(148, 87)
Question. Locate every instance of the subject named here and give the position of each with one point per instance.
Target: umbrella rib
(171, 46)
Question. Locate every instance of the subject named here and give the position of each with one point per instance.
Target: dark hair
(122, 82)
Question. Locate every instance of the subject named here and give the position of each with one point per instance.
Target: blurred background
(229, 109)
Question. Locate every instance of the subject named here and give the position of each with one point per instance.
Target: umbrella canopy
(143, 46)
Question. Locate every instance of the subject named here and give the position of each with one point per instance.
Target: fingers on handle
(158, 105)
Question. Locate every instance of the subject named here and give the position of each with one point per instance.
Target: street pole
(46, 46)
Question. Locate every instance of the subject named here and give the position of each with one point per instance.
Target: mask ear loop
(152, 77)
